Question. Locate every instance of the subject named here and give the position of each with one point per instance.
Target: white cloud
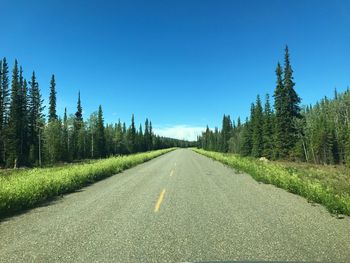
(182, 132)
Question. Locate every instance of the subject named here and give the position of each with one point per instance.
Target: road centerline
(159, 201)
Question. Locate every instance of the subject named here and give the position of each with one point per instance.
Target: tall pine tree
(257, 126)
(267, 129)
(52, 100)
(35, 119)
(100, 134)
(4, 109)
(14, 143)
(281, 120)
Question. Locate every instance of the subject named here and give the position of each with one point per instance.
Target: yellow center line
(160, 200)
(172, 172)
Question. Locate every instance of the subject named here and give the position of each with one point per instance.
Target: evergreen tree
(281, 121)
(151, 136)
(35, 119)
(293, 98)
(79, 112)
(78, 132)
(267, 129)
(140, 140)
(100, 133)
(53, 131)
(14, 158)
(257, 126)
(52, 100)
(131, 136)
(247, 136)
(5, 94)
(292, 101)
(148, 136)
(238, 122)
(1, 117)
(225, 132)
(65, 138)
(4, 109)
(24, 142)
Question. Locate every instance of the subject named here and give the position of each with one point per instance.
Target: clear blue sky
(181, 63)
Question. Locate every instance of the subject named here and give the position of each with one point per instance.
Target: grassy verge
(317, 185)
(26, 188)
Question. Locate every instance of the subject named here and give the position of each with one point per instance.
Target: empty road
(179, 207)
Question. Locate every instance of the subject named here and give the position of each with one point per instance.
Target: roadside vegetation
(25, 188)
(326, 185)
(286, 130)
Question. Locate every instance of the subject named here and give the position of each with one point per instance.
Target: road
(179, 207)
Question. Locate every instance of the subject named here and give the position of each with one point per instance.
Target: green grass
(21, 189)
(329, 186)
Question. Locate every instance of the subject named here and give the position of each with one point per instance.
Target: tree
(292, 103)
(65, 138)
(281, 121)
(35, 119)
(24, 144)
(267, 133)
(52, 100)
(78, 132)
(148, 135)
(53, 141)
(293, 98)
(4, 108)
(100, 134)
(247, 136)
(225, 132)
(131, 136)
(257, 126)
(14, 158)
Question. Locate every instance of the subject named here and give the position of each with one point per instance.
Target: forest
(285, 130)
(28, 137)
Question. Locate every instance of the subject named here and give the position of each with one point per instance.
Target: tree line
(29, 138)
(317, 133)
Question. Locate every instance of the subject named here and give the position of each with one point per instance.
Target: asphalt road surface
(179, 207)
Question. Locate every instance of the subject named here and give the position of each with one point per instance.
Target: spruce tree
(14, 120)
(78, 132)
(35, 119)
(141, 141)
(52, 100)
(24, 142)
(1, 117)
(247, 133)
(151, 136)
(267, 129)
(292, 104)
(131, 137)
(225, 132)
(281, 121)
(5, 94)
(293, 98)
(100, 134)
(148, 136)
(4, 110)
(257, 126)
(65, 138)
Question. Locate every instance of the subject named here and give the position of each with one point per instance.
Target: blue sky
(181, 63)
